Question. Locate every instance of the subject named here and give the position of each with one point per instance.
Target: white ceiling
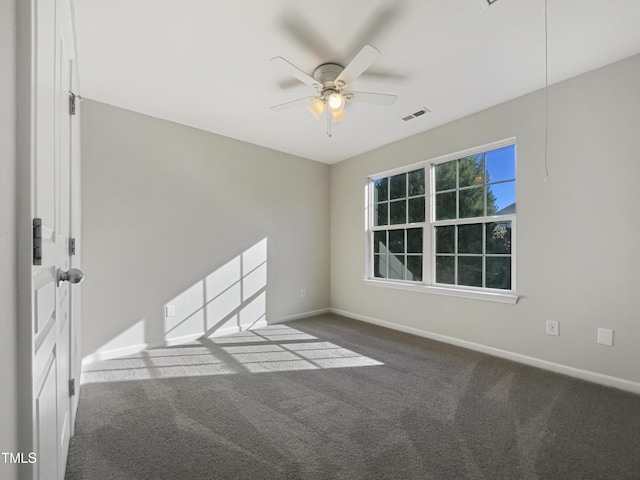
(205, 63)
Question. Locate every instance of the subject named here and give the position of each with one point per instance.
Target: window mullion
(457, 190)
(455, 255)
(484, 255)
(484, 183)
(398, 226)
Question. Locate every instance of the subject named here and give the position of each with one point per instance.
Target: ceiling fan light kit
(329, 79)
(316, 108)
(337, 116)
(336, 102)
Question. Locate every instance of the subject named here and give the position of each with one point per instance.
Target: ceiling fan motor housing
(326, 74)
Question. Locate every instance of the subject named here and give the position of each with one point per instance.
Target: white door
(51, 206)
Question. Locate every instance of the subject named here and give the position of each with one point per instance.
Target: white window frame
(428, 284)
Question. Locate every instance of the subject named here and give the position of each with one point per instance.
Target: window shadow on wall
(229, 300)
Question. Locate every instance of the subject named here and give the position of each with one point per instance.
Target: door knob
(73, 275)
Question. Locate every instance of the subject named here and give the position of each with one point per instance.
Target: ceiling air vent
(416, 114)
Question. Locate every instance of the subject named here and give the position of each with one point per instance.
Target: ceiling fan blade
(378, 24)
(363, 60)
(294, 71)
(295, 103)
(374, 98)
(306, 33)
(383, 75)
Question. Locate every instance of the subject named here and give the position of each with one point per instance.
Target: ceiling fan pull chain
(328, 123)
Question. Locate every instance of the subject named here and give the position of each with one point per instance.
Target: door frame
(25, 150)
(25, 146)
(75, 312)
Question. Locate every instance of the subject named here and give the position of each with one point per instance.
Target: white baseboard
(588, 375)
(299, 316)
(113, 353)
(133, 349)
(221, 332)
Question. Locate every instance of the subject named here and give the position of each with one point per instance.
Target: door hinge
(72, 246)
(37, 241)
(72, 387)
(72, 102)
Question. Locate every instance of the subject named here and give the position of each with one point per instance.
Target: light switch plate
(170, 311)
(605, 336)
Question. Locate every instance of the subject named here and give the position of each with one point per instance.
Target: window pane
(501, 164)
(380, 266)
(380, 242)
(398, 186)
(445, 176)
(492, 204)
(396, 241)
(382, 214)
(501, 198)
(499, 237)
(414, 240)
(414, 268)
(445, 206)
(499, 272)
(445, 239)
(470, 238)
(398, 212)
(381, 190)
(470, 271)
(471, 170)
(416, 182)
(472, 202)
(416, 209)
(396, 267)
(445, 270)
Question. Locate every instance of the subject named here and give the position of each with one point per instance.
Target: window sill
(510, 298)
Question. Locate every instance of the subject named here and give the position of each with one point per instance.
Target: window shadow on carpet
(276, 348)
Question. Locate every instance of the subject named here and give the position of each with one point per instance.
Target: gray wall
(164, 206)
(8, 246)
(578, 259)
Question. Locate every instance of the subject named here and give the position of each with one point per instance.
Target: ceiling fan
(330, 80)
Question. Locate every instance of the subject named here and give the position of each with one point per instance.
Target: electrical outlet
(553, 327)
(303, 293)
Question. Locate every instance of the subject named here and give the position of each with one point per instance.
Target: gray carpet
(332, 398)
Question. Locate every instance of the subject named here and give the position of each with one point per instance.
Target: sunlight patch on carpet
(276, 348)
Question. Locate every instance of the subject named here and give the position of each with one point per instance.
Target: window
(399, 219)
(447, 223)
